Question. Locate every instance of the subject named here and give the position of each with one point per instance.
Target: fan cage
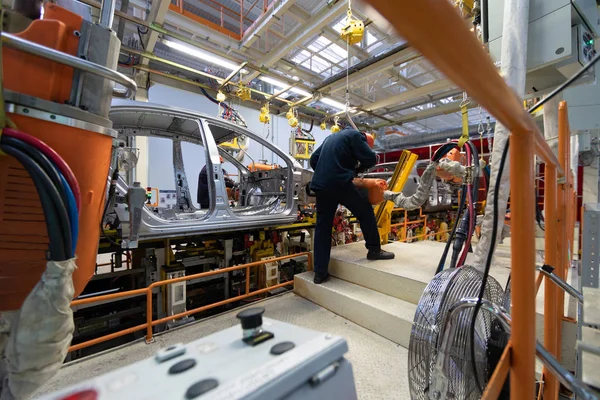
(447, 288)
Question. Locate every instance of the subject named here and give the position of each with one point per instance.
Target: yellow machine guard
(383, 212)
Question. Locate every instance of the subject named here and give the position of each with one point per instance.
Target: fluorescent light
(283, 85)
(300, 92)
(204, 55)
(273, 82)
(333, 103)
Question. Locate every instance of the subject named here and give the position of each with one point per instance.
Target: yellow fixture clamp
(464, 110)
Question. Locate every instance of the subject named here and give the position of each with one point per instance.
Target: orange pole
(148, 315)
(247, 280)
(522, 384)
(494, 386)
(551, 318)
(562, 227)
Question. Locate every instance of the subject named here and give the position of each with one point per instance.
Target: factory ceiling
(293, 45)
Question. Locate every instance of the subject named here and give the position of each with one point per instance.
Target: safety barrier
(436, 30)
(406, 223)
(148, 291)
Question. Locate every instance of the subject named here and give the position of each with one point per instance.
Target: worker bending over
(203, 195)
(336, 163)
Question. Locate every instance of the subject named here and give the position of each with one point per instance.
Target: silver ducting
(394, 141)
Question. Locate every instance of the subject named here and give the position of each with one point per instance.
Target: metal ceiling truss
(393, 88)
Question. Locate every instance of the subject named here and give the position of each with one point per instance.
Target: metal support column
(107, 13)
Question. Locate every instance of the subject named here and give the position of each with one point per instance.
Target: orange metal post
(562, 219)
(522, 383)
(550, 290)
(494, 387)
(149, 315)
(247, 280)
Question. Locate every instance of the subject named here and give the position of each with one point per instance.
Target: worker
(203, 196)
(336, 163)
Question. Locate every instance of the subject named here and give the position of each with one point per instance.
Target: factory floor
(380, 365)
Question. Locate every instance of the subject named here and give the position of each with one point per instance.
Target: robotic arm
(415, 201)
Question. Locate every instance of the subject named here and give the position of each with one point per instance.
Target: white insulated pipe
(514, 70)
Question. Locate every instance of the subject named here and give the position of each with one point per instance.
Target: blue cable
(73, 213)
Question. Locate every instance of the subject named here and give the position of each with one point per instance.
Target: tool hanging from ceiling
(352, 33)
(292, 117)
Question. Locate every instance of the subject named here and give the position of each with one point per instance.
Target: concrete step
(385, 315)
(404, 278)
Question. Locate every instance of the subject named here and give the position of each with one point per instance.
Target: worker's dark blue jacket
(335, 161)
(203, 195)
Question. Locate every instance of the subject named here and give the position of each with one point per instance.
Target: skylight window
(370, 38)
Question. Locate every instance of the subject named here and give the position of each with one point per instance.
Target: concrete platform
(379, 365)
(365, 291)
(386, 315)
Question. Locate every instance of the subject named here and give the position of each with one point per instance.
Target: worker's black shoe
(380, 255)
(321, 278)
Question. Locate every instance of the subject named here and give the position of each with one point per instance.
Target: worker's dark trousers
(358, 204)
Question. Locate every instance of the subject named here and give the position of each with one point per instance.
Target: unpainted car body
(266, 198)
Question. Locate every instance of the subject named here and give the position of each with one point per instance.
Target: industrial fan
(438, 372)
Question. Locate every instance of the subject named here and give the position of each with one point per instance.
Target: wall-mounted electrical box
(561, 38)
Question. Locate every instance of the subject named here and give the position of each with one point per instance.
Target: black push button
(251, 318)
(199, 388)
(182, 366)
(281, 348)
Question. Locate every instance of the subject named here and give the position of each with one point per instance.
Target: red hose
(53, 156)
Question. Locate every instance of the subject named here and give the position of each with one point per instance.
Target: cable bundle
(57, 189)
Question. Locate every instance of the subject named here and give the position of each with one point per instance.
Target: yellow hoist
(335, 128)
(292, 117)
(264, 114)
(354, 29)
(243, 92)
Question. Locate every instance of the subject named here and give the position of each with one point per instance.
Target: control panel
(262, 359)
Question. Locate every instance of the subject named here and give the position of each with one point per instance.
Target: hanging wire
(348, 72)
(480, 130)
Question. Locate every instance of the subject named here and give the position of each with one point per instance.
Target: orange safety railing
(436, 30)
(406, 223)
(148, 291)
